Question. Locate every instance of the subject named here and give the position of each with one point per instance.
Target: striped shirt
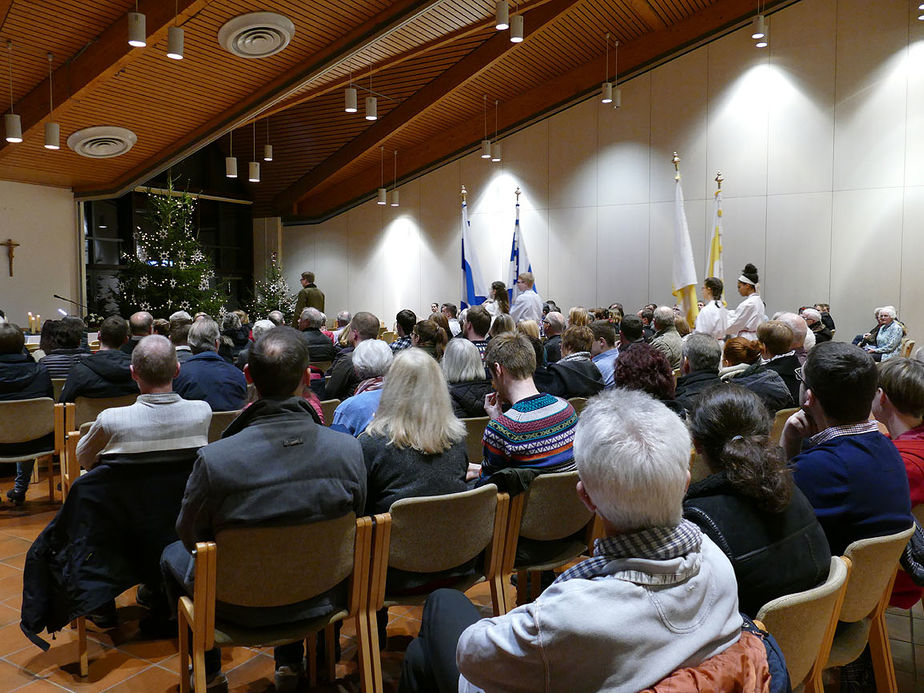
(535, 433)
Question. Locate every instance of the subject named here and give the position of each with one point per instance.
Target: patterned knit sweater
(536, 432)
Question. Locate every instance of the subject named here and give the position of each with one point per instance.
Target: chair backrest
(474, 436)
(552, 509)
(578, 403)
(22, 420)
(699, 470)
(88, 408)
(918, 512)
(908, 347)
(874, 563)
(441, 532)
(776, 430)
(220, 421)
(389, 337)
(289, 563)
(57, 385)
(800, 621)
(328, 407)
(322, 366)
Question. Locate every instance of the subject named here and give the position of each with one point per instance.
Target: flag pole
(718, 180)
(517, 193)
(464, 193)
(676, 161)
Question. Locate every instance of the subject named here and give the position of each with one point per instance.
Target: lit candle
(30, 323)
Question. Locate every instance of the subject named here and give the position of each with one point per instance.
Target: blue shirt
(354, 414)
(207, 376)
(606, 363)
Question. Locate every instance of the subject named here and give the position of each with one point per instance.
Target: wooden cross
(10, 244)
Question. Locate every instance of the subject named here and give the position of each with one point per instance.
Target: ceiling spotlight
(382, 197)
(485, 143)
(382, 194)
(393, 198)
(175, 43)
(349, 100)
(758, 27)
(394, 189)
(267, 152)
(11, 121)
(617, 98)
(52, 129)
(254, 172)
(516, 28)
(137, 35)
(372, 110)
(496, 152)
(501, 15)
(231, 160)
(607, 93)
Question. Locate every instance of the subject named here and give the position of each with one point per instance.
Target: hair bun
(750, 271)
(750, 268)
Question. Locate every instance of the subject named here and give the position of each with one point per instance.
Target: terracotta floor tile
(13, 640)
(12, 546)
(10, 586)
(18, 561)
(8, 615)
(40, 686)
(12, 677)
(59, 665)
(256, 674)
(152, 680)
(9, 570)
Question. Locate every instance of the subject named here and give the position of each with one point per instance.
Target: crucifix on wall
(10, 244)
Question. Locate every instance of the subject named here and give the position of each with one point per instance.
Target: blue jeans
(23, 474)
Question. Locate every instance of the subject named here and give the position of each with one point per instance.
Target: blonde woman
(529, 327)
(578, 317)
(502, 324)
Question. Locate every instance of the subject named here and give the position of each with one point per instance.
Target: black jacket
(786, 366)
(552, 349)
(468, 397)
(822, 333)
(320, 348)
(577, 378)
(107, 537)
(766, 384)
(104, 374)
(22, 378)
(692, 385)
(772, 553)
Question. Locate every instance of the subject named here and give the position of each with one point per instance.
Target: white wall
(818, 137)
(43, 221)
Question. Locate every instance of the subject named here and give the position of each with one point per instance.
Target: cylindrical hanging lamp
(382, 197)
(496, 152)
(617, 98)
(607, 92)
(267, 152)
(175, 43)
(137, 35)
(254, 172)
(501, 15)
(231, 166)
(52, 135)
(393, 198)
(349, 100)
(516, 28)
(13, 125)
(372, 111)
(758, 27)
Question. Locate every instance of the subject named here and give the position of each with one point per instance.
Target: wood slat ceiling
(432, 62)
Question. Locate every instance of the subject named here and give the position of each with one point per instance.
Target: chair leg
(498, 596)
(198, 665)
(51, 478)
(330, 652)
(312, 649)
(881, 652)
(82, 646)
(370, 659)
(535, 585)
(521, 587)
(184, 655)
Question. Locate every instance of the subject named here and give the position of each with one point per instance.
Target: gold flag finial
(676, 161)
(517, 193)
(719, 179)
(464, 193)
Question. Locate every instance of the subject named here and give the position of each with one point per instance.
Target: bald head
(798, 326)
(141, 323)
(154, 364)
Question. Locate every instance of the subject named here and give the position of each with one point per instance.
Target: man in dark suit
(775, 339)
(320, 348)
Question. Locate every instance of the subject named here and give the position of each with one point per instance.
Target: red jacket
(910, 444)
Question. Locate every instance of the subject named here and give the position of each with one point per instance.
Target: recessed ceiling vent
(256, 35)
(102, 142)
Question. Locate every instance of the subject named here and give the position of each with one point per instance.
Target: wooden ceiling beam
(643, 10)
(402, 115)
(396, 15)
(651, 49)
(104, 57)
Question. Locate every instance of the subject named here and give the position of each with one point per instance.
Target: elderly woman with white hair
(371, 360)
(467, 378)
(889, 337)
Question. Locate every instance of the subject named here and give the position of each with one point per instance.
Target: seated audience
(775, 338)
(276, 317)
(107, 373)
(464, 373)
(21, 378)
(713, 316)
(442, 322)
(578, 317)
(666, 339)
(537, 430)
(604, 351)
(47, 341)
(371, 360)
(803, 339)
(451, 312)
(643, 368)
(630, 333)
(742, 365)
(700, 369)
(160, 420)
(179, 337)
(575, 375)
(554, 325)
(647, 316)
(161, 327)
(853, 475)
(274, 463)
(530, 328)
(343, 322)
(141, 325)
(233, 329)
(320, 348)
(813, 319)
(66, 352)
(749, 505)
(888, 340)
(599, 627)
(476, 326)
(503, 324)
(343, 378)
(430, 337)
(260, 328)
(404, 325)
(899, 406)
(825, 310)
(206, 375)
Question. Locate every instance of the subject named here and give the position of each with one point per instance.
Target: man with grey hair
(803, 339)
(207, 376)
(160, 420)
(260, 328)
(344, 318)
(702, 356)
(812, 318)
(666, 338)
(371, 360)
(141, 325)
(320, 348)
(276, 317)
(553, 325)
(597, 627)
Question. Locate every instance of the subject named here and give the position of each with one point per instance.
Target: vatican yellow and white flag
(684, 271)
(714, 266)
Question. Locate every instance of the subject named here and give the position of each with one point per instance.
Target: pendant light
(231, 160)
(382, 193)
(349, 96)
(485, 143)
(501, 15)
(607, 89)
(759, 28)
(372, 110)
(267, 148)
(253, 170)
(52, 129)
(516, 27)
(175, 36)
(12, 121)
(137, 34)
(495, 146)
(394, 189)
(617, 92)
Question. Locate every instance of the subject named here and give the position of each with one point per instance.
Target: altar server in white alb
(743, 321)
(713, 316)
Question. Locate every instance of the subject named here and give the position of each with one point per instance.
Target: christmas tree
(273, 294)
(168, 270)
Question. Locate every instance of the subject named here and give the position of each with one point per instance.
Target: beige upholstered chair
(273, 566)
(436, 533)
(803, 624)
(389, 337)
(862, 616)
(328, 407)
(322, 366)
(776, 430)
(23, 420)
(578, 403)
(88, 408)
(474, 436)
(70, 468)
(57, 385)
(907, 347)
(550, 511)
(220, 421)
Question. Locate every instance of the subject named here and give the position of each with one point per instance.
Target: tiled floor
(122, 662)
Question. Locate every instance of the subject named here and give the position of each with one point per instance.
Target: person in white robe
(743, 321)
(713, 316)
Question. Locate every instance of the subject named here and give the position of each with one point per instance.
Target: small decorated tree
(272, 293)
(168, 270)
